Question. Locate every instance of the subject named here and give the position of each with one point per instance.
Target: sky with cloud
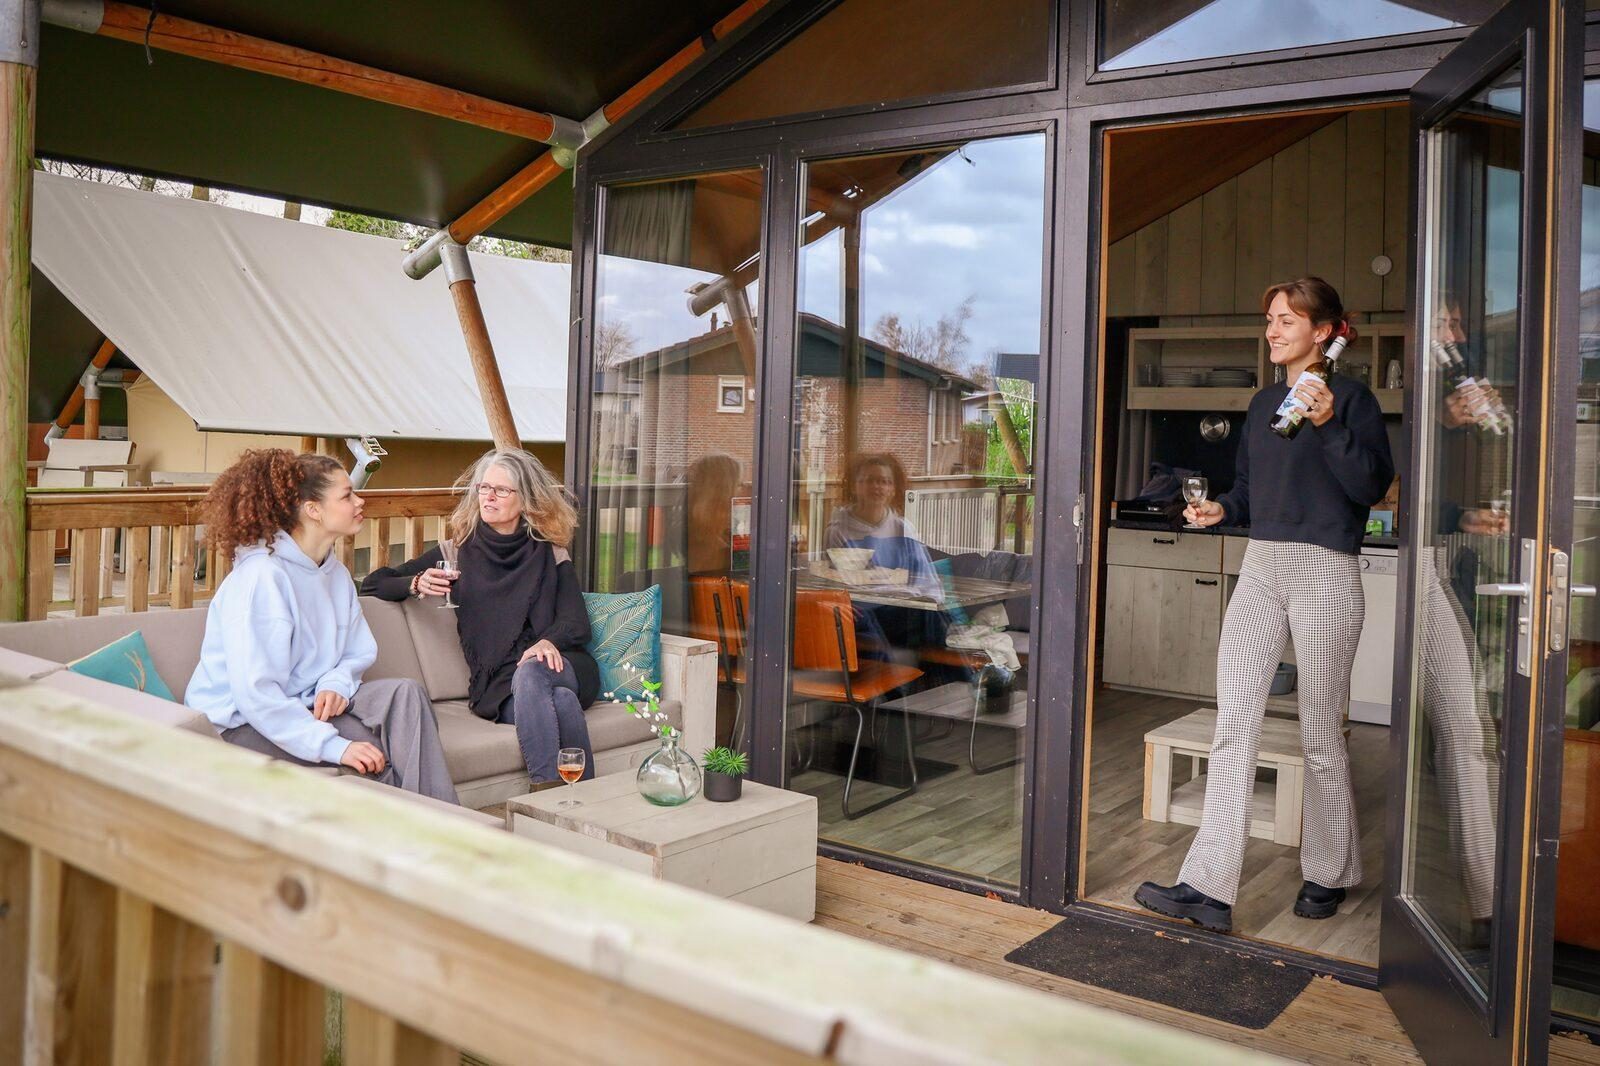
(972, 225)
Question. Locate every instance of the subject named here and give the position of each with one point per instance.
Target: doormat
(1165, 966)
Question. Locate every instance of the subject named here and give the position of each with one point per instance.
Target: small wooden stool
(1275, 808)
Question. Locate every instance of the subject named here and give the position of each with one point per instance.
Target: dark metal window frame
(1055, 741)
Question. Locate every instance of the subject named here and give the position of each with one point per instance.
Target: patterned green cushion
(625, 639)
(125, 662)
(952, 606)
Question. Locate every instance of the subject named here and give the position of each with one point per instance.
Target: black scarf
(506, 595)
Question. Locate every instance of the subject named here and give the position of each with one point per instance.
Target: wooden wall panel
(1327, 205)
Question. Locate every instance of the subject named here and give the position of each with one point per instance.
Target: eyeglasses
(499, 492)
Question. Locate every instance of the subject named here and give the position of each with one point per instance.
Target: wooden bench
(1275, 807)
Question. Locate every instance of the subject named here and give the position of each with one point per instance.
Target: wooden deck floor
(1329, 1022)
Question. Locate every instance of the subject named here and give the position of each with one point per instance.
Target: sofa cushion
(625, 639)
(126, 662)
(173, 638)
(397, 655)
(438, 649)
(476, 747)
(611, 726)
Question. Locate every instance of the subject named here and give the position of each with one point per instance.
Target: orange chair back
(705, 595)
(738, 617)
(819, 619)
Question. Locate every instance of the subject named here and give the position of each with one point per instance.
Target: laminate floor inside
(1125, 849)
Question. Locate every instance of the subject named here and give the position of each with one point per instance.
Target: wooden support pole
(1008, 435)
(91, 416)
(491, 389)
(543, 170)
(137, 25)
(18, 88)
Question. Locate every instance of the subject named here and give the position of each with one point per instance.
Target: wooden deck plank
(1329, 1022)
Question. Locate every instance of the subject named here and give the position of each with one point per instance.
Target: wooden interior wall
(1327, 204)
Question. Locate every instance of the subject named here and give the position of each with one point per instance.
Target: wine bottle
(1485, 415)
(1290, 416)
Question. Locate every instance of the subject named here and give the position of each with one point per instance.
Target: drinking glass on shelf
(447, 563)
(569, 764)
(1194, 491)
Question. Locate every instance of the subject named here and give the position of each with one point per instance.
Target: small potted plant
(725, 770)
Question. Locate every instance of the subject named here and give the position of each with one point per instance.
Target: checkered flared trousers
(1315, 594)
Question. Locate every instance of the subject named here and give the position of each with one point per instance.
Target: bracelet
(414, 582)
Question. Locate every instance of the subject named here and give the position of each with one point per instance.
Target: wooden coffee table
(760, 849)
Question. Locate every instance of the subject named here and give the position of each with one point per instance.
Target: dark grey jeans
(393, 715)
(545, 709)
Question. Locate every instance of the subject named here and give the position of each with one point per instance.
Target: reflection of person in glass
(873, 519)
(1453, 689)
(713, 483)
(1306, 501)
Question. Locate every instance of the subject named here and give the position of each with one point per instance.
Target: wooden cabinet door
(1162, 628)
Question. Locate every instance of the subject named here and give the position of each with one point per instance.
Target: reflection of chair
(712, 617)
(827, 669)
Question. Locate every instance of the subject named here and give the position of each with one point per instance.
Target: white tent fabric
(258, 324)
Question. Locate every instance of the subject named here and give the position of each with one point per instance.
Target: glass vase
(669, 776)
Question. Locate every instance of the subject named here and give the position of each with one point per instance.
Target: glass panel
(1463, 643)
(871, 52)
(1146, 33)
(1577, 954)
(673, 434)
(920, 307)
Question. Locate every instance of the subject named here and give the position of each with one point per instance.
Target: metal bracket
(1079, 511)
(19, 32)
(1522, 591)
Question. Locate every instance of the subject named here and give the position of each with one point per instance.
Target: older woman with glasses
(520, 615)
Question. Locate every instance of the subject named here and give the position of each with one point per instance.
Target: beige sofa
(416, 640)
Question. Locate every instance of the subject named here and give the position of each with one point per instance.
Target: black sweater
(569, 632)
(1318, 487)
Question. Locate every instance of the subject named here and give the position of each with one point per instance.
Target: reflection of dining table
(964, 592)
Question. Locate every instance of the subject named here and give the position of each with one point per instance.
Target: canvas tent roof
(101, 101)
(254, 323)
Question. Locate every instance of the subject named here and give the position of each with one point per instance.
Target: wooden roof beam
(137, 25)
(543, 170)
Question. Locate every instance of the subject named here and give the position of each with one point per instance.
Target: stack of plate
(1224, 378)
(1182, 377)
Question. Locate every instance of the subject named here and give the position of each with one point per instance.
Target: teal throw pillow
(125, 662)
(625, 639)
(952, 606)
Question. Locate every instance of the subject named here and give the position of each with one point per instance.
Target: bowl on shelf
(1226, 378)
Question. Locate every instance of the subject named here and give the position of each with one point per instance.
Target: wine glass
(1194, 491)
(569, 764)
(447, 563)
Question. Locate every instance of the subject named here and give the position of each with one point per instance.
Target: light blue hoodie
(281, 629)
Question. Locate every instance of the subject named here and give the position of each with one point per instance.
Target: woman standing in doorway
(520, 615)
(1305, 500)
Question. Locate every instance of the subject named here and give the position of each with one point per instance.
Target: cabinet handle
(1202, 581)
(1163, 540)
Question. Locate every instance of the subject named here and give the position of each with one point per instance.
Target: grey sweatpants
(393, 715)
(1315, 594)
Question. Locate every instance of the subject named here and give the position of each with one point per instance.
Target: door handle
(1583, 592)
(1522, 592)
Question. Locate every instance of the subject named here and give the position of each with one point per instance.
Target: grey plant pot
(721, 788)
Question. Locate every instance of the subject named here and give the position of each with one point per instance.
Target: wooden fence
(167, 898)
(148, 540)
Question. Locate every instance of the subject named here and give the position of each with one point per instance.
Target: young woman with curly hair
(286, 643)
(520, 615)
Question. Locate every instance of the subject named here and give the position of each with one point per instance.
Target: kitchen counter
(1156, 525)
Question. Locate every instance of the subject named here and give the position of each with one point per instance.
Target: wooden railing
(148, 540)
(167, 898)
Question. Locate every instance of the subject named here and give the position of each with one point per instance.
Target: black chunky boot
(1181, 901)
(1315, 901)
